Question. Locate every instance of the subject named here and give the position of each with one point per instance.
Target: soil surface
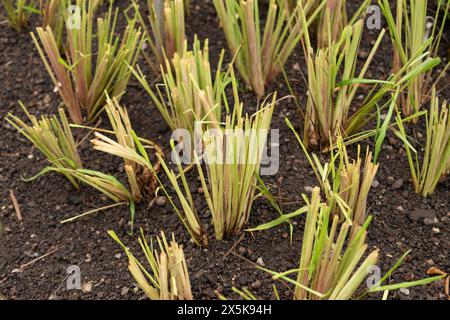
(36, 252)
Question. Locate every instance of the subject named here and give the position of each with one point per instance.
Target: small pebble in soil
(161, 201)
(375, 184)
(124, 291)
(405, 291)
(397, 184)
(256, 285)
(400, 209)
(418, 214)
(260, 262)
(200, 190)
(242, 250)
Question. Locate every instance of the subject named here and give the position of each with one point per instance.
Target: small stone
(418, 214)
(256, 285)
(409, 276)
(430, 262)
(428, 221)
(242, 250)
(375, 183)
(296, 67)
(118, 256)
(393, 141)
(124, 291)
(400, 209)
(16, 270)
(363, 54)
(260, 262)
(161, 201)
(30, 156)
(200, 190)
(405, 291)
(87, 287)
(436, 230)
(397, 184)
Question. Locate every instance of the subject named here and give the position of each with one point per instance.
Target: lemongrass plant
(190, 91)
(168, 276)
(260, 56)
(165, 30)
(18, 12)
(346, 183)
(333, 83)
(53, 137)
(81, 80)
(436, 157)
(332, 264)
(232, 158)
(333, 20)
(140, 178)
(187, 214)
(412, 34)
(54, 15)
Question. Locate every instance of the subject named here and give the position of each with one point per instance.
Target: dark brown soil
(215, 269)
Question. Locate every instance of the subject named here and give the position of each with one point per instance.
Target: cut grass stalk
(82, 81)
(168, 276)
(436, 158)
(54, 13)
(18, 12)
(413, 34)
(260, 56)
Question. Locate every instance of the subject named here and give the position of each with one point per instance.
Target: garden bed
(396, 228)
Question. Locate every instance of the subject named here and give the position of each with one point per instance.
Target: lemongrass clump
(333, 83)
(187, 214)
(333, 20)
(53, 137)
(414, 34)
(261, 55)
(191, 93)
(436, 157)
(54, 14)
(232, 158)
(331, 263)
(140, 178)
(18, 12)
(168, 276)
(82, 80)
(346, 183)
(165, 29)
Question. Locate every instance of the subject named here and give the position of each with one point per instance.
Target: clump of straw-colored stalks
(261, 55)
(164, 30)
(168, 276)
(413, 34)
(436, 156)
(81, 81)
